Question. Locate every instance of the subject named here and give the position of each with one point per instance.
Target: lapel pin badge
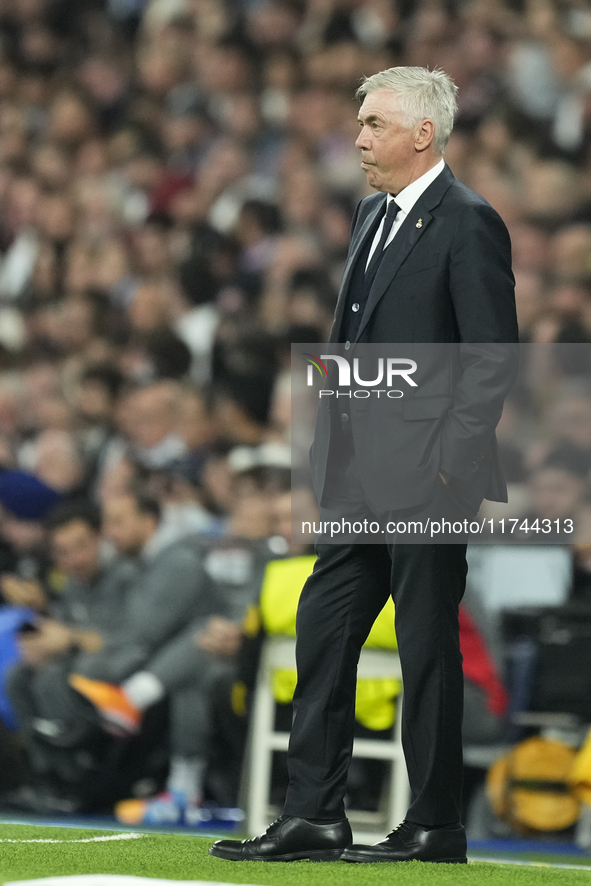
(419, 224)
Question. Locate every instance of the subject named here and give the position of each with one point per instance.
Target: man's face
(389, 155)
(149, 416)
(251, 509)
(93, 402)
(125, 526)
(75, 549)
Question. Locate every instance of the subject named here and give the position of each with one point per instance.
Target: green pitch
(185, 858)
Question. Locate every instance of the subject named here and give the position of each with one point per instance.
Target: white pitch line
(533, 864)
(131, 836)
(111, 880)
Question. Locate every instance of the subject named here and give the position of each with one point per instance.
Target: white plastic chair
(279, 652)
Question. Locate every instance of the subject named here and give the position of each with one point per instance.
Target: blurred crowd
(177, 180)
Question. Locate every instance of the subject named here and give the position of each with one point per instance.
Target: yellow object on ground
(529, 787)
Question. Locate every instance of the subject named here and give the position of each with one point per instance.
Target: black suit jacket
(445, 278)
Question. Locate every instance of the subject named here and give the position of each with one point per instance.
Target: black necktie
(392, 211)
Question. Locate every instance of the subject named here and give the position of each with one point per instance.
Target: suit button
(347, 345)
(344, 417)
(355, 307)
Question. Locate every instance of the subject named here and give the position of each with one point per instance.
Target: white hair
(421, 93)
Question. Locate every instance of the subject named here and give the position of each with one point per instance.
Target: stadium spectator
(77, 622)
(171, 587)
(188, 666)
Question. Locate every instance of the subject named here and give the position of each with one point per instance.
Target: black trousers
(340, 601)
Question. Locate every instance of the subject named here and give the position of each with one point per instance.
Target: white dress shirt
(406, 199)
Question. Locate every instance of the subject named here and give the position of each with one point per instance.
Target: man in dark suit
(429, 262)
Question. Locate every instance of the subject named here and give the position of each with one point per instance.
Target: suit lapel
(412, 229)
(368, 225)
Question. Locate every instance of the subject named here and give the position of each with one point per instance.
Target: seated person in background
(189, 666)
(76, 623)
(170, 590)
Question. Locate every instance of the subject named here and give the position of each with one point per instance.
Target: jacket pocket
(413, 267)
(418, 408)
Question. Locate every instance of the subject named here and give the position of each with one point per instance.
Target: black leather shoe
(289, 839)
(411, 842)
